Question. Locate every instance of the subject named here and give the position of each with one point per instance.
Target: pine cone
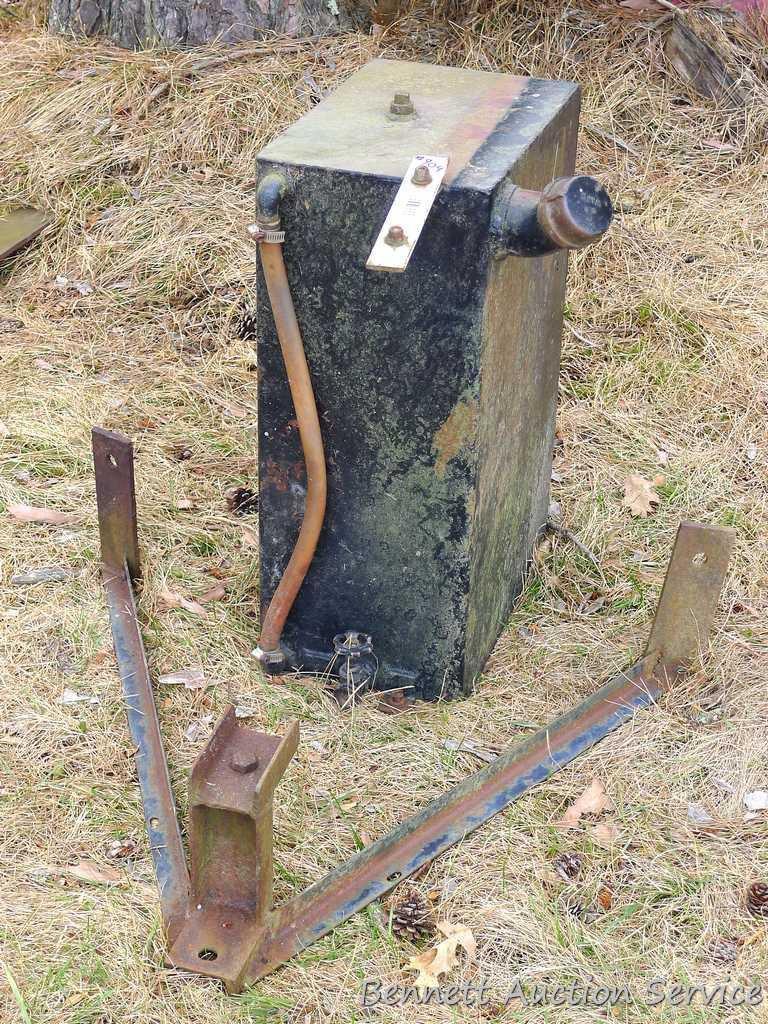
(246, 329)
(411, 916)
(757, 899)
(725, 950)
(242, 501)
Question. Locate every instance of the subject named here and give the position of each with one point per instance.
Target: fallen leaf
(470, 747)
(250, 539)
(641, 6)
(756, 800)
(120, 848)
(214, 594)
(639, 495)
(604, 834)
(316, 751)
(698, 814)
(198, 730)
(193, 678)
(63, 284)
(78, 74)
(442, 958)
(33, 514)
(724, 785)
(171, 599)
(592, 604)
(50, 574)
(594, 800)
(605, 898)
(73, 697)
(93, 873)
(720, 147)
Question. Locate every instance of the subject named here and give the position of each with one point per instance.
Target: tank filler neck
(569, 213)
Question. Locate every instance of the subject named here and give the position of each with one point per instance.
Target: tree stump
(182, 23)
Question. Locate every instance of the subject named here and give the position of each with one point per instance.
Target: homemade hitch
(219, 916)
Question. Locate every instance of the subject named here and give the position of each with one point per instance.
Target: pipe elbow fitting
(569, 213)
(269, 194)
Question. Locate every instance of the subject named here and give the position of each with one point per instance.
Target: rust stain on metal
(232, 934)
(689, 596)
(456, 433)
(280, 476)
(480, 122)
(116, 502)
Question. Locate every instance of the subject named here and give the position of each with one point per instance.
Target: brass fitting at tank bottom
(355, 665)
(569, 213)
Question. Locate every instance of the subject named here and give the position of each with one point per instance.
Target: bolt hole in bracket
(220, 921)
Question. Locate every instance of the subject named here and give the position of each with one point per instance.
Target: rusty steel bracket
(232, 933)
(116, 504)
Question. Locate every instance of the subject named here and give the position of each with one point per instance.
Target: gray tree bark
(181, 23)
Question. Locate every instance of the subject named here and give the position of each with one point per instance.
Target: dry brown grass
(147, 172)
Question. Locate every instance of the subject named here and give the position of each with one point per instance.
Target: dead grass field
(147, 166)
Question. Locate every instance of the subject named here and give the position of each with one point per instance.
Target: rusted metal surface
(689, 596)
(230, 829)
(116, 501)
(18, 227)
(232, 935)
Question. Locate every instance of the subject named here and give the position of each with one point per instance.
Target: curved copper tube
(300, 383)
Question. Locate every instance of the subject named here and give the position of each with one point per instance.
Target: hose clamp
(260, 234)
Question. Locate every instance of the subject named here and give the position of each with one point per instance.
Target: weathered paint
(409, 374)
(458, 431)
